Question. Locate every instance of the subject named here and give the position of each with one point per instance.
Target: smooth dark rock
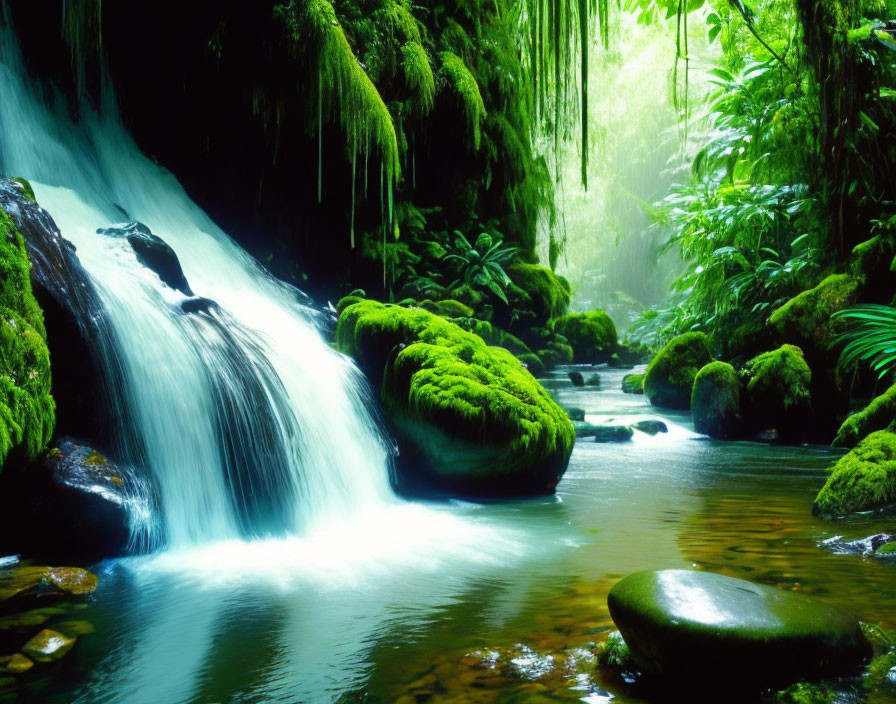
(575, 413)
(603, 433)
(593, 380)
(153, 252)
(700, 626)
(651, 427)
(198, 304)
(73, 505)
(576, 378)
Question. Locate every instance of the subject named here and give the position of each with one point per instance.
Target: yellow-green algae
(862, 480)
(27, 410)
(450, 378)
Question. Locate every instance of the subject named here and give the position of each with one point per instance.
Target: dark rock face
(153, 252)
(73, 505)
(693, 625)
(72, 315)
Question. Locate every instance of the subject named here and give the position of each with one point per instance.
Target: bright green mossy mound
(448, 308)
(880, 414)
(27, 190)
(346, 301)
(547, 294)
(27, 410)
(470, 418)
(862, 480)
(779, 390)
(670, 376)
(591, 335)
(805, 320)
(715, 401)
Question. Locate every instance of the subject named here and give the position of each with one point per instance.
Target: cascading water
(248, 422)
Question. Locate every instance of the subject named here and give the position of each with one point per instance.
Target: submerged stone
(20, 580)
(15, 664)
(48, 646)
(683, 624)
(576, 378)
(651, 427)
(152, 252)
(612, 433)
(575, 414)
(73, 580)
(593, 380)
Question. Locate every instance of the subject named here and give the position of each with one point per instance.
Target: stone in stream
(14, 664)
(575, 414)
(48, 646)
(576, 378)
(593, 380)
(651, 427)
(697, 625)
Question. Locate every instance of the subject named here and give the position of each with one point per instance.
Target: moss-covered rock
(346, 301)
(779, 391)
(470, 418)
(633, 384)
(880, 414)
(448, 308)
(25, 187)
(862, 480)
(805, 320)
(686, 624)
(670, 376)
(716, 401)
(544, 292)
(533, 363)
(48, 646)
(27, 410)
(555, 354)
(591, 335)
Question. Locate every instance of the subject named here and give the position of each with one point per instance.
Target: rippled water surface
(464, 602)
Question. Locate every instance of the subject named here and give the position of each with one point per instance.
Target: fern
(870, 338)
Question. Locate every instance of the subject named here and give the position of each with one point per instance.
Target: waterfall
(248, 423)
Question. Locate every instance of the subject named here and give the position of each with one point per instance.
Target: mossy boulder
(25, 187)
(691, 625)
(633, 384)
(864, 479)
(448, 308)
(716, 401)
(591, 335)
(805, 320)
(880, 414)
(779, 391)
(27, 410)
(670, 376)
(470, 419)
(533, 363)
(346, 301)
(542, 292)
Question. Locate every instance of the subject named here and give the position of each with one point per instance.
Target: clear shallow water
(395, 602)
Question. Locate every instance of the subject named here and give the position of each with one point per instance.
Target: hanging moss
(419, 77)
(862, 480)
(27, 410)
(591, 335)
(450, 380)
(466, 89)
(670, 376)
(880, 414)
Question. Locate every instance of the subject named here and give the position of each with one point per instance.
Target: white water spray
(249, 423)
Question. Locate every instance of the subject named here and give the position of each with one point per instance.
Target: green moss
(880, 414)
(716, 400)
(419, 77)
(448, 308)
(614, 654)
(466, 88)
(27, 190)
(533, 363)
(555, 354)
(27, 410)
(809, 693)
(670, 376)
(805, 320)
(862, 480)
(451, 379)
(592, 335)
(779, 381)
(887, 549)
(879, 670)
(346, 301)
(633, 384)
(546, 296)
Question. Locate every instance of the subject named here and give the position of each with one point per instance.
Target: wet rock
(15, 664)
(198, 304)
(152, 252)
(74, 628)
(865, 546)
(73, 580)
(593, 380)
(73, 317)
(21, 580)
(48, 646)
(651, 427)
(716, 401)
(612, 433)
(74, 505)
(693, 625)
(576, 414)
(28, 619)
(576, 378)
(633, 384)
